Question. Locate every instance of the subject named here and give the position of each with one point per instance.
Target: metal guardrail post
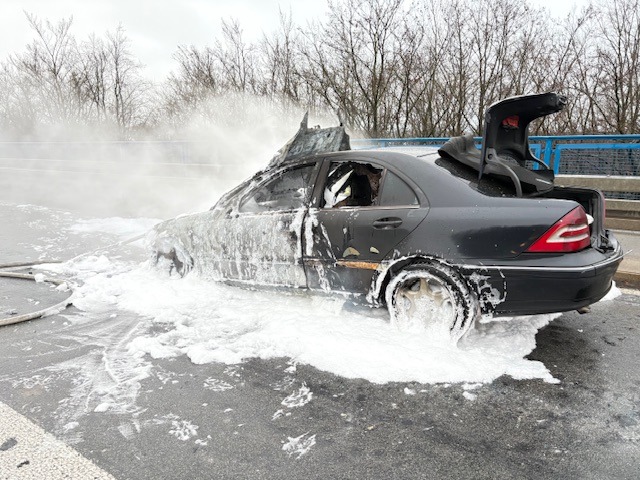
(555, 160)
(548, 152)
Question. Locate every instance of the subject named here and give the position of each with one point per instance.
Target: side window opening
(352, 184)
(287, 191)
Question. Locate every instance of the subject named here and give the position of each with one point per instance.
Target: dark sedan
(438, 236)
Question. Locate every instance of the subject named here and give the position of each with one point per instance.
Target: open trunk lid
(505, 151)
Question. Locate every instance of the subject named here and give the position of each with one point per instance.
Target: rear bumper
(528, 290)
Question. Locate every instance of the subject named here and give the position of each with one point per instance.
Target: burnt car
(438, 236)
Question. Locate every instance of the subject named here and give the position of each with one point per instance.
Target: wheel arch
(384, 275)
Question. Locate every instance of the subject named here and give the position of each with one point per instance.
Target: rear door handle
(387, 223)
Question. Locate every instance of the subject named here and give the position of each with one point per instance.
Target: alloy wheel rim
(426, 300)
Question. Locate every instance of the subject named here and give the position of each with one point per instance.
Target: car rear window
(395, 192)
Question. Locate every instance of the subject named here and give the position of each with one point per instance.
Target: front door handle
(387, 223)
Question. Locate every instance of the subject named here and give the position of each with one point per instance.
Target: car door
(261, 241)
(363, 211)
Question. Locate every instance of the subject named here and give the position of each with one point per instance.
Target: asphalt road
(585, 427)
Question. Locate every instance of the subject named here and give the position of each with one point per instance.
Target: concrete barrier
(606, 183)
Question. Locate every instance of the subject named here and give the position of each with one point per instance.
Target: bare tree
(454, 70)
(45, 69)
(128, 102)
(410, 82)
(618, 61)
(281, 78)
(236, 58)
(196, 79)
(498, 52)
(91, 80)
(351, 67)
(570, 61)
(385, 67)
(18, 111)
(423, 99)
(57, 84)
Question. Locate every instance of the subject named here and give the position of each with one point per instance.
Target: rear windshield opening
(490, 186)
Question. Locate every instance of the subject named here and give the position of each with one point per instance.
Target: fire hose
(27, 276)
(57, 308)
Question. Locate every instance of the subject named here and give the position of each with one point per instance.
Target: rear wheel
(431, 298)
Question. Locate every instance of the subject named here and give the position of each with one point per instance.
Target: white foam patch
(298, 398)
(106, 377)
(210, 322)
(183, 429)
(216, 385)
(299, 446)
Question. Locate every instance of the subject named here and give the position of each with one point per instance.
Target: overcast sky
(156, 27)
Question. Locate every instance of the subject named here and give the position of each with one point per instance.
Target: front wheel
(431, 298)
(170, 255)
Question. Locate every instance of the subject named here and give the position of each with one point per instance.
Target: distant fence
(610, 163)
(567, 154)
(176, 151)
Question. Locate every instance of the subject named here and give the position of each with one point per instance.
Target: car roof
(413, 150)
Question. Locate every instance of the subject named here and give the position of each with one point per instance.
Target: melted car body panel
(234, 248)
(253, 235)
(261, 248)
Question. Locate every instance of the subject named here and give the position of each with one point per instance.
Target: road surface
(263, 419)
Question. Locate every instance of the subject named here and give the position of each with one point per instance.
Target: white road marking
(28, 452)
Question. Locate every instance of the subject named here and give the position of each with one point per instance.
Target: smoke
(205, 151)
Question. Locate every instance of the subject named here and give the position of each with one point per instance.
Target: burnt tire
(431, 298)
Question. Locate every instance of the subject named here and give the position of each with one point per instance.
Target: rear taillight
(569, 234)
